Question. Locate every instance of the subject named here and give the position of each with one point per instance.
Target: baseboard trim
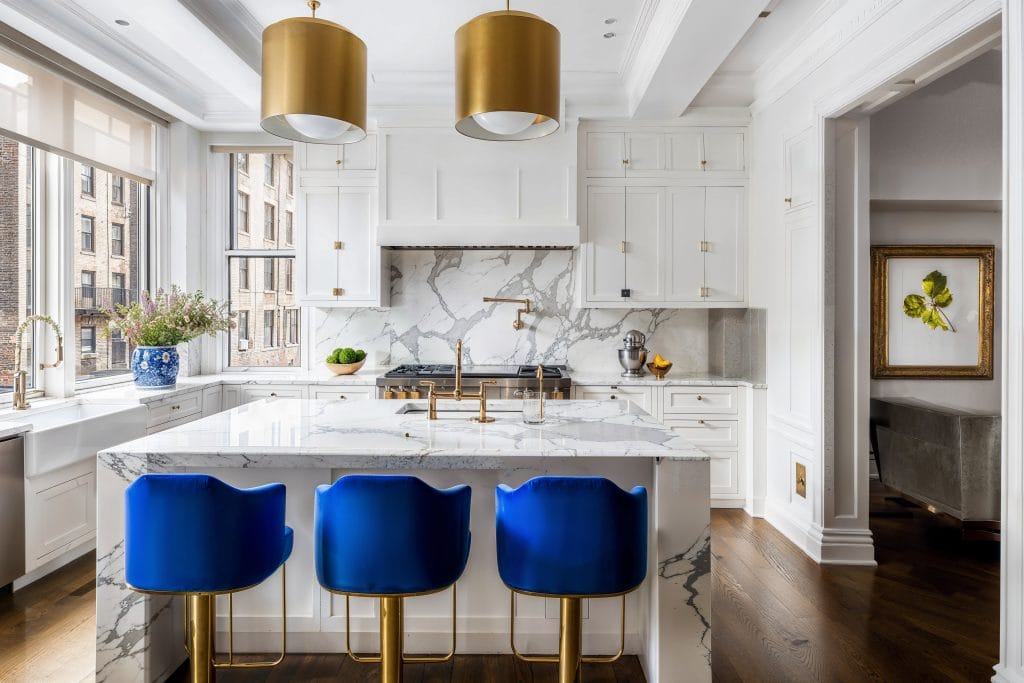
(1005, 675)
(755, 507)
(852, 547)
(54, 564)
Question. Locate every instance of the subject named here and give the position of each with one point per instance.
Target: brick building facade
(15, 251)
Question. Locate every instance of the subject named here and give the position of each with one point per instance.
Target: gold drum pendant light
(314, 81)
(507, 76)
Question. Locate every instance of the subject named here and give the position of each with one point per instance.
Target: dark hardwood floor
(928, 612)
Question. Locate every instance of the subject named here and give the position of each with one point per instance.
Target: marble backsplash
(436, 298)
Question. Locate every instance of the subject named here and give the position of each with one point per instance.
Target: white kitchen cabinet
(642, 396)
(345, 393)
(659, 152)
(240, 394)
(212, 398)
(800, 170)
(337, 159)
(706, 241)
(340, 262)
(685, 150)
(60, 512)
(625, 243)
(178, 409)
(686, 220)
(723, 151)
(605, 155)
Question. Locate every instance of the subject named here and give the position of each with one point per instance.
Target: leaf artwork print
(929, 307)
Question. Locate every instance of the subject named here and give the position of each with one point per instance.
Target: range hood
(507, 236)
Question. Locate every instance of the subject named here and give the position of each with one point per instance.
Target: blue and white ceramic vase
(155, 367)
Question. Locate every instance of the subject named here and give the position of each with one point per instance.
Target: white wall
(945, 227)
(943, 141)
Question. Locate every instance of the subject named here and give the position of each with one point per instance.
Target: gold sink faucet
(456, 393)
(20, 374)
(518, 324)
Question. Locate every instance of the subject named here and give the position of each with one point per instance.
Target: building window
(268, 170)
(118, 350)
(88, 223)
(268, 329)
(87, 343)
(242, 161)
(243, 330)
(117, 239)
(88, 175)
(269, 224)
(288, 265)
(118, 292)
(268, 274)
(289, 227)
(293, 326)
(117, 190)
(243, 273)
(289, 170)
(243, 213)
(87, 292)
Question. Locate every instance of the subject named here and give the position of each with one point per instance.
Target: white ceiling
(198, 60)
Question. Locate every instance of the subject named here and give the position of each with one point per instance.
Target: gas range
(403, 381)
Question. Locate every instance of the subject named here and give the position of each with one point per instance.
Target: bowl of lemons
(659, 367)
(346, 361)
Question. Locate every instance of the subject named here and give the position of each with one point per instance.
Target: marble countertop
(9, 429)
(380, 434)
(678, 380)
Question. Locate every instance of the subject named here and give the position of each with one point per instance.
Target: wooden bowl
(345, 368)
(659, 372)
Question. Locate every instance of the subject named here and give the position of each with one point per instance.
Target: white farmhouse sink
(73, 433)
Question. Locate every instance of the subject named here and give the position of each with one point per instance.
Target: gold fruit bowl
(345, 368)
(659, 371)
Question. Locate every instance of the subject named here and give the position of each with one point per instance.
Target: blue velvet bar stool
(194, 535)
(390, 537)
(571, 538)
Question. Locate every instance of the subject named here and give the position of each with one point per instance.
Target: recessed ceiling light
(610, 34)
(610, 20)
(122, 22)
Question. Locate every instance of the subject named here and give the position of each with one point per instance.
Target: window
(87, 337)
(118, 350)
(87, 292)
(268, 329)
(243, 212)
(261, 267)
(289, 170)
(268, 170)
(88, 175)
(269, 224)
(118, 292)
(88, 223)
(242, 163)
(117, 190)
(293, 325)
(117, 239)
(243, 273)
(268, 274)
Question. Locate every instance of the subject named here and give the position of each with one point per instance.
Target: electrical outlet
(801, 480)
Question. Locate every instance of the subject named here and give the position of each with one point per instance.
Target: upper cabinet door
(725, 248)
(319, 215)
(686, 206)
(723, 151)
(800, 170)
(356, 156)
(605, 155)
(645, 152)
(605, 243)
(356, 247)
(645, 234)
(320, 158)
(685, 151)
(360, 156)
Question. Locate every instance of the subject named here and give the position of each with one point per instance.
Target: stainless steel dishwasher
(12, 511)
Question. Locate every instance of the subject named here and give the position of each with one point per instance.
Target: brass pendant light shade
(507, 77)
(314, 81)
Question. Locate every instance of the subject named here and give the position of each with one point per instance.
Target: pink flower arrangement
(170, 318)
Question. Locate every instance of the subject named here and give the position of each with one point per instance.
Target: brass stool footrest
(554, 659)
(377, 659)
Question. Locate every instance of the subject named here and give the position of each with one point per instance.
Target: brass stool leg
(201, 633)
(391, 640)
(570, 641)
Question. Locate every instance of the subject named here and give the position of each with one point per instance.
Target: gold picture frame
(895, 333)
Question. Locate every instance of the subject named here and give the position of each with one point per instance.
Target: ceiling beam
(231, 21)
(686, 42)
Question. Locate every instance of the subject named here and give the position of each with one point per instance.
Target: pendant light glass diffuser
(507, 77)
(314, 81)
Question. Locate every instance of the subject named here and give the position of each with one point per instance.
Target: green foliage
(929, 307)
(169, 318)
(346, 356)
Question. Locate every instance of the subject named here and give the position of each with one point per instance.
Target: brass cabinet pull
(622, 247)
(704, 292)
(337, 291)
(700, 422)
(788, 200)
(705, 246)
(703, 162)
(338, 162)
(339, 245)
(625, 162)
(699, 397)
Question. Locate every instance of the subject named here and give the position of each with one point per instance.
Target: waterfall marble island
(304, 443)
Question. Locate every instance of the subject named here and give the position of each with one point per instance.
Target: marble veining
(436, 299)
(684, 572)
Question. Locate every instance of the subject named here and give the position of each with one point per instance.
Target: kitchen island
(303, 443)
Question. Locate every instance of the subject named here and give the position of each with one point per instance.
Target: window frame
(81, 339)
(118, 253)
(92, 234)
(269, 221)
(117, 181)
(91, 191)
(274, 341)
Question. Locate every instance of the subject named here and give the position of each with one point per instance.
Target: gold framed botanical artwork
(932, 309)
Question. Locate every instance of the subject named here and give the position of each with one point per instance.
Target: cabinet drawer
(703, 400)
(254, 393)
(354, 393)
(724, 473)
(174, 409)
(58, 516)
(700, 432)
(641, 396)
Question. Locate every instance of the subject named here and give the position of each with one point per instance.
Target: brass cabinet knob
(613, 397)
(699, 397)
(788, 200)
